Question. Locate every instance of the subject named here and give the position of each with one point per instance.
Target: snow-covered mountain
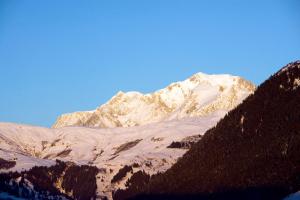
(199, 95)
(138, 132)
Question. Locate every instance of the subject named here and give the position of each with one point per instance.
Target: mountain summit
(199, 95)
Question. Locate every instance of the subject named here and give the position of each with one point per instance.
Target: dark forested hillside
(60, 181)
(254, 152)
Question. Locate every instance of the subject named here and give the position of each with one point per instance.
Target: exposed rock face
(200, 95)
(252, 153)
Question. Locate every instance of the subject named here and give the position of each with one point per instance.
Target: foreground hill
(253, 153)
(200, 95)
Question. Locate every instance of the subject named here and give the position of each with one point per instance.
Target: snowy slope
(200, 95)
(146, 146)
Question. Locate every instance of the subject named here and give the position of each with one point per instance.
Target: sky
(63, 56)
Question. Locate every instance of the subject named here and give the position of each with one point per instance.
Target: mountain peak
(199, 95)
(197, 76)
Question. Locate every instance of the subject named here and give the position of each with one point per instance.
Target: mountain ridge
(199, 95)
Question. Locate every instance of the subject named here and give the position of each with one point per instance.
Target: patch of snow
(23, 160)
(242, 119)
(295, 196)
(296, 83)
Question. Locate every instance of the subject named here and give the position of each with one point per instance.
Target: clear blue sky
(60, 56)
